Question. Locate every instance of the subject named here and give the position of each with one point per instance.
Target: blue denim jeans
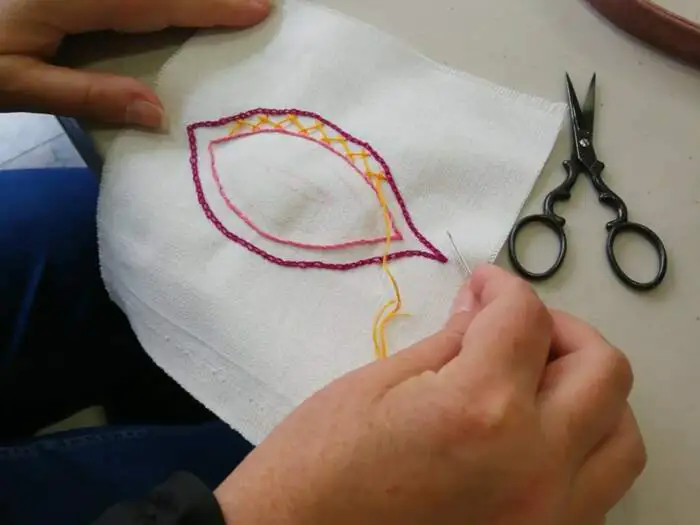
(65, 346)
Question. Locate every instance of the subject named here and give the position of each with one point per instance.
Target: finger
(610, 471)
(433, 353)
(31, 85)
(570, 334)
(508, 341)
(152, 15)
(584, 392)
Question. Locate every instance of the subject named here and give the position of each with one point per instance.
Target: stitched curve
(264, 116)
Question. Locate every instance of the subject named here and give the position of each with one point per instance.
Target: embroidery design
(330, 136)
(360, 157)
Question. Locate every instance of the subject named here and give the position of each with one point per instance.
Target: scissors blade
(582, 120)
(588, 110)
(574, 106)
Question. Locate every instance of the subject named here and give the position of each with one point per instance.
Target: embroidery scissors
(584, 161)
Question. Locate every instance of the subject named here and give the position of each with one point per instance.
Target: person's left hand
(31, 32)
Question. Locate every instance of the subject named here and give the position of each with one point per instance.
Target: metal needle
(460, 258)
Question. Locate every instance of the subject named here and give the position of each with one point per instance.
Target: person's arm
(181, 500)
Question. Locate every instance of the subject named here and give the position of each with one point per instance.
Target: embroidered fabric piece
(251, 336)
(359, 155)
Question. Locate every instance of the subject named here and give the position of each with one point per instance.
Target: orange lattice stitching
(292, 123)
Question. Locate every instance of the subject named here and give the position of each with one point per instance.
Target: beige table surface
(648, 133)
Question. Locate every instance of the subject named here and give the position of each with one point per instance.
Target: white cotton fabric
(250, 339)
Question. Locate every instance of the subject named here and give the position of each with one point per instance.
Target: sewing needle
(460, 258)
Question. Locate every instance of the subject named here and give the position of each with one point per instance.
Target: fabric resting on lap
(253, 316)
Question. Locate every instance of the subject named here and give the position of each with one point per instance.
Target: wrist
(250, 500)
(239, 507)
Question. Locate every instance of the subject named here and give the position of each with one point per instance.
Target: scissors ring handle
(553, 223)
(653, 239)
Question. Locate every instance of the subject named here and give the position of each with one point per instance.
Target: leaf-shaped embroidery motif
(359, 155)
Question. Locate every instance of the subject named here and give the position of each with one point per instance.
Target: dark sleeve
(182, 500)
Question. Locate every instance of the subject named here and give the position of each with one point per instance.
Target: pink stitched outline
(397, 236)
(433, 253)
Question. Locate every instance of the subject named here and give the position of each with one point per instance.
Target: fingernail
(464, 302)
(146, 114)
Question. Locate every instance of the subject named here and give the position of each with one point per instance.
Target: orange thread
(392, 307)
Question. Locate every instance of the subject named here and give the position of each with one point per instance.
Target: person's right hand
(511, 415)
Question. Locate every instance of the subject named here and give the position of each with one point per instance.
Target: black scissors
(584, 161)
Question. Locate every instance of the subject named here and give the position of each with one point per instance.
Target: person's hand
(511, 415)
(31, 32)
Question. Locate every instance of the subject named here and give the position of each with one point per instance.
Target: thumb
(434, 352)
(31, 85)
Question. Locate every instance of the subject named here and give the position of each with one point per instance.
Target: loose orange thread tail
(391, 308)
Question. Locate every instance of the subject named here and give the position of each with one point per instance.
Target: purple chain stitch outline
(433, 254)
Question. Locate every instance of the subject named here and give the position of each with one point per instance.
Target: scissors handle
(553, 223)
(618, 227)
(621, 224)
(549, 219)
